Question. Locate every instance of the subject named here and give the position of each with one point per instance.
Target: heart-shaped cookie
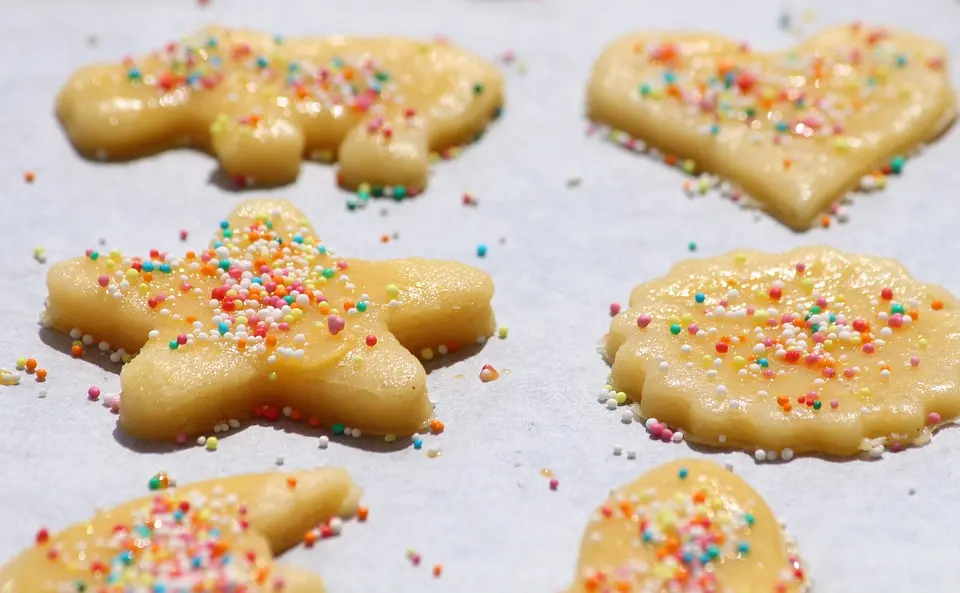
(796, 129)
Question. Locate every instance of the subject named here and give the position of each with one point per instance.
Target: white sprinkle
(201, 441)
(626, 415)
(612, 404)
(760, 455)
(355, 433)
(336, 525)
(786, 454)
(324, 442)
(677, 437)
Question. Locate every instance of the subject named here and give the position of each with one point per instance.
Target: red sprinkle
(554, 483)
(93, 393)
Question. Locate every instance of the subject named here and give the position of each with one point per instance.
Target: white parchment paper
(559, 257)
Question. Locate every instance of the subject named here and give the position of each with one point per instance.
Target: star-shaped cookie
(796, 130)
(808, 351)
(269, 315)
(261, 103)
(687, 526)
(218, 535)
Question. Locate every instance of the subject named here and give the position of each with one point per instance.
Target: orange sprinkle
(670, 159)
(313, 421)
(31, 364)
(296, 415)
(291, 482)
(348, 304)
(914, 314)
(437, 570)
(76, 350)
(362, 513)
(29, 176)
(436, 427)
(310, 538)
(384, 238)
(788, 407)
(936, 305)
(41, 375)
(825, 222)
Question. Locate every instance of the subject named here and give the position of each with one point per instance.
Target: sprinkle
(437, 570)
(643, 321)
(436, 427)
(29, 177)
(488, 373)
(212, 443)
(41, 375)
(933, 418)
(614, 309)
(502, 332)
(554, 483)
(93, 394)
(481, 250)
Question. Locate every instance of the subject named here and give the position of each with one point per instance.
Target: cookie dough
(261, 103)
(688, 526)
(268, 314)
(808, 351)
(223, 532)
(797, 129)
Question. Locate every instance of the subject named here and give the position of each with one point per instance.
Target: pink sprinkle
(554, 484)
(768, 373)
(614, 309)
(829, 372)
(834, 404)
(896, 447)
(181, 438)
(933, 418)
(750, 310)
(868, 348)
(801, 267)
(915, 361)
(335, 324)
(656, 429)
(896, 320)
(693, 328)
(666, 435)
(103, 280)
(848, 373)
(183, 234)
(822, 303)
(93, 393)
(643, 321)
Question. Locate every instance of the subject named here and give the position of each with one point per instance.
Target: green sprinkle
(477, 89)
(174, 345)
(675, 329)
(897, 308)
(327, 273)
(896, 165)
(94, 255)
(339, 429)
(817, 405)
(362, 306)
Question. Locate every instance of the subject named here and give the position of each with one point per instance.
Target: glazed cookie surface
(688, 526)
(221, 532)
(808, 351)
(796, 130)
(269, 316)
(261, 104)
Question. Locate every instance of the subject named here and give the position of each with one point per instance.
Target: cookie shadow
(708, 450)
(63, 343)
(364, 443)
(234, 185)
(453, 358)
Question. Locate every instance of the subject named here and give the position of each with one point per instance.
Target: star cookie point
(268, 314)
(261, 104)
(795, 130)
(809, 351)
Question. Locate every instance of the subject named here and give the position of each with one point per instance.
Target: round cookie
(808, 351)
(689, 526)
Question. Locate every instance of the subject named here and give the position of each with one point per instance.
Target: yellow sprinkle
(115, 255)
(502, 332)
(393, 290)
(608, 387)
(739, 361)
(687, 318)
(272, 376)
(621, 397)
(689, 166)
(390, 438)
(865, 392)
(426, 354)
(923, 343)
(707, 360)
(21, 363)
(740, 258)
(212, 443)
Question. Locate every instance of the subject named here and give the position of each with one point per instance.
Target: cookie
(269, 315)
(222, 531)
(688, 526)
(796, 130)
(808, 351)
(260, 104)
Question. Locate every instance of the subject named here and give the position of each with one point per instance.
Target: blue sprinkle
(224, 224)
(683, 473)
(481, 250)
(417, 443)
(223, 328)
(700, 297)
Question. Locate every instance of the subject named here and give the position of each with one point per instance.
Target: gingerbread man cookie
(218, 535)
(688, 526)
(808, 351)
(268, 315)
(796, 130)
(260, 104)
